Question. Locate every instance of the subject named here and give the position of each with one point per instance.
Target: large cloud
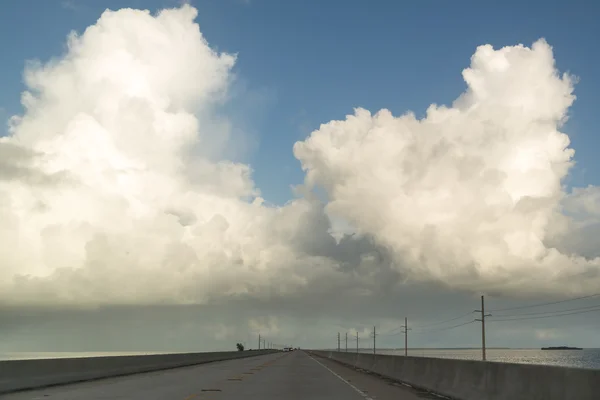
(470, 194)
(113, 188)
(109, 192)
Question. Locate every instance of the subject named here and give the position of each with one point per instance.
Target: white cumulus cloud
(109, 191)
(469, 194)
(114, 188)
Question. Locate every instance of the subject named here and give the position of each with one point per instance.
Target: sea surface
(586, 358)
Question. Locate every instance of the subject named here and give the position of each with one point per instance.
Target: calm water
(587, 358)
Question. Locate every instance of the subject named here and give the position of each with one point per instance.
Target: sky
(184, 176)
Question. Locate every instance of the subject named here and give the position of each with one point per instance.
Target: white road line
(363, 394)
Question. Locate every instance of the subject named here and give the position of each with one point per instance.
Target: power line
(391, 333)
(545, 316)
(549, 312)
(446, 321)
(502, 317)
(447, 328)
(546, 304)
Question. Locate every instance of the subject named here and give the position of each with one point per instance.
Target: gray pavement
(290, 376)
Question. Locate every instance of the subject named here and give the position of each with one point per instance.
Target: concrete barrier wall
(28, 374)
(477, 380)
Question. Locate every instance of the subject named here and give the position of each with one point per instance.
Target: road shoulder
(373, 386)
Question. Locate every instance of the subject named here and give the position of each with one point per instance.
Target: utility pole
(338, 341)
(374, 336)
(259, 341)
(356, 342)
(346, 342)
(406, 329)
(482, 320)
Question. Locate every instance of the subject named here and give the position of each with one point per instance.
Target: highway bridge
(295, 375)
(291, 376)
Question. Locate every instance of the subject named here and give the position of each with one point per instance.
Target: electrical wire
(544, 304)
(547, 312)
(390, 333)
(503, 317)
(545, 316)
(446, 328)
(443, 322)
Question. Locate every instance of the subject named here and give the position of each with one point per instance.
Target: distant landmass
(562, 348)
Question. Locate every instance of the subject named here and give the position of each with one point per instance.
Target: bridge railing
(29, 374)
(477, 380)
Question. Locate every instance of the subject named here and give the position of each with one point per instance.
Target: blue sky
(303, 63)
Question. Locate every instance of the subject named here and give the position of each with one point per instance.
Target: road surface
(291, 376)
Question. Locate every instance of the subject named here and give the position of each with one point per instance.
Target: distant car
(287, 349)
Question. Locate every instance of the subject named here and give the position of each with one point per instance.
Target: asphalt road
(290, 376)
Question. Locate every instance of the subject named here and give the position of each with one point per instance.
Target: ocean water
(586, 358)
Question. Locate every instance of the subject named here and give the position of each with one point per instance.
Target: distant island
(562, 348)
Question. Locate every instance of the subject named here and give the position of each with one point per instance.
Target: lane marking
(363, 394)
